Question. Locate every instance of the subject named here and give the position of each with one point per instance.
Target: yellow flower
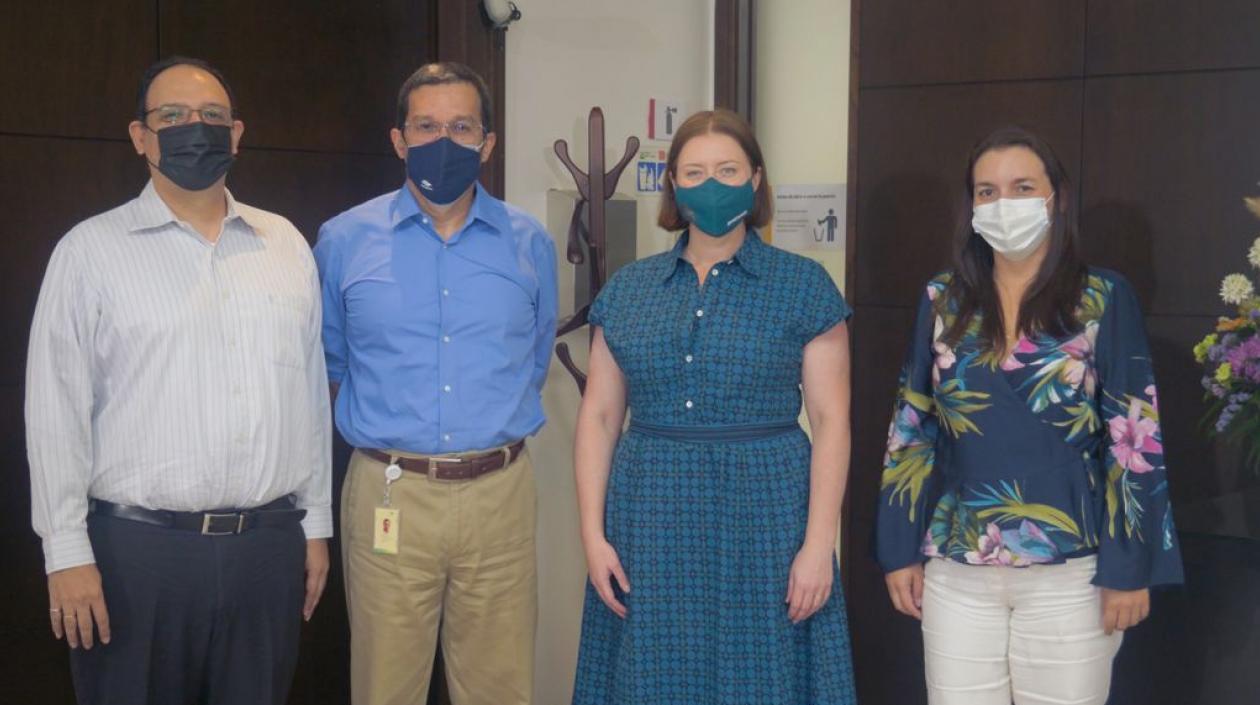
(1223, 373)
(1201, 350)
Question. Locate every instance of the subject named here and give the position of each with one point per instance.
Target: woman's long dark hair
(1049, 305)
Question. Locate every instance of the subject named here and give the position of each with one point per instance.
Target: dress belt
(724, 433)
(452, 467)
(220, 522)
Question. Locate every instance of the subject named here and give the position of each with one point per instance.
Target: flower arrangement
(1230, 356)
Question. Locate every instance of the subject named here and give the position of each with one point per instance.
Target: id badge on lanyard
(387, 520)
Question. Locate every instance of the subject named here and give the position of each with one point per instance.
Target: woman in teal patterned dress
(710, 525)
(1025, 463)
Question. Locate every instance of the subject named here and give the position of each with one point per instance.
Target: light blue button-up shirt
(438, 346)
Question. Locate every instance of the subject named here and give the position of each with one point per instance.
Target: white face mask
(1013, 227)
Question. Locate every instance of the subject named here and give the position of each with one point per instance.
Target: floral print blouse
(1052, 453)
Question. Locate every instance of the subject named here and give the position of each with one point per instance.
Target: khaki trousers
(465, 562)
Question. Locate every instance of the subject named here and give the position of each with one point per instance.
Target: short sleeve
(822, 304)
(602, 305)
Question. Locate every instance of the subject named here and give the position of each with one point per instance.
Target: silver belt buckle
(208, 517)
(433, 465)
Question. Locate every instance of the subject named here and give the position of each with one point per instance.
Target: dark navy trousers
(195, 620)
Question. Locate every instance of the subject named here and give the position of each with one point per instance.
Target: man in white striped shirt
(177, 422)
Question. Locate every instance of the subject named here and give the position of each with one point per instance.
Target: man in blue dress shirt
(439, 317)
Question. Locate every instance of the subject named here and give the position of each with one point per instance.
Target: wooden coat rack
(595, 187)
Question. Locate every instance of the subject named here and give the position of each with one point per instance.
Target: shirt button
(689, 404)
(716, 272)
(446, 292)
(699, 312)
(688, 358)
(447, 388)
(446, 339)
(446, 436)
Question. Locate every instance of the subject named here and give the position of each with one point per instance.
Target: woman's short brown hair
(723, 122)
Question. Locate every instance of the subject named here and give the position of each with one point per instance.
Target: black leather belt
(216, 523)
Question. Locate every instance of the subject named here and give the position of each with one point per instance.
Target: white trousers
(993, 634)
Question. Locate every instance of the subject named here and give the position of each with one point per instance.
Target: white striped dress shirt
(169, 372)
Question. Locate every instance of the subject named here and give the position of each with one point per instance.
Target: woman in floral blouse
(1024, 509)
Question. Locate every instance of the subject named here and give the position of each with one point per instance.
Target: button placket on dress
(700, 311)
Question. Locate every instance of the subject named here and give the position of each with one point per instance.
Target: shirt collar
(485, 208)
(149, 211)
(750, 257)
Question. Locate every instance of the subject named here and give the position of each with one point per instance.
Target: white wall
(802, 101)
(563, 57)
(802, 96)
(566, 56)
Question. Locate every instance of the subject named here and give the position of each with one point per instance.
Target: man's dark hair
(142, 97)
(440, 73)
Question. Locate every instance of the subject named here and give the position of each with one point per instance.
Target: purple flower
(1231, 410)
(1252, 372)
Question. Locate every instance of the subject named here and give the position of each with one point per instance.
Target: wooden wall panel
(734, 57)
(911, 161)
(314, 79)
(1170, 158)
(49, 186)
(308, 188)
(34, 668)
(910, 42)
(889, 667)
(1160, 137)
(1199, 646)
(317, 85)
(1140, 36)
(64, 70)
(461, 35)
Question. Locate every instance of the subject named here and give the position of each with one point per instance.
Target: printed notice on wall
(808, 217)
(651, 170)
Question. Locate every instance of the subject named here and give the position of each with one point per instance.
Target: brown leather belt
(452, 467)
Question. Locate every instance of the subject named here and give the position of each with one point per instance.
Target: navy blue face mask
(195, 154)
(443, 169)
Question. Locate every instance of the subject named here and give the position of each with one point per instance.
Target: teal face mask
(715, 207)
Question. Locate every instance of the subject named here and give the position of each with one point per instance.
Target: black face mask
(195, 154)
